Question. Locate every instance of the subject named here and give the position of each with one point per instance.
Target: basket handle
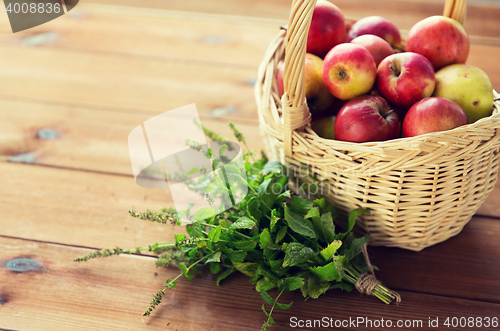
(456, 9)
(295, 111)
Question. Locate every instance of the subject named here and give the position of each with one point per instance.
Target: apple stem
(342, 74)
(395, 68)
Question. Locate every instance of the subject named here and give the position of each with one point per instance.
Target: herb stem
(192, 265)
(274, 305)
(381, 292)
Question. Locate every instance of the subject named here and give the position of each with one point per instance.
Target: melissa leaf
(297, 253)
(298, 224)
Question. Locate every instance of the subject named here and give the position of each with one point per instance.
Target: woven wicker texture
(420, 191)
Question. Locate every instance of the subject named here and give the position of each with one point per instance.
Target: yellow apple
(468, 86)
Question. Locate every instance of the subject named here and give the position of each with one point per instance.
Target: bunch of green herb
(280, 240)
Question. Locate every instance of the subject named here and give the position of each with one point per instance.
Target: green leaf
(323, 225)
(214, 258)
(339, 262)
(265, 239)
(313, 286)
(282, 197)
(343, 286)
(281, 234)
(263, 187)
(196, 270)
(243, 223)
(179, 238)
(246, 268)
(215, 233)
(273, 166)
(264, 284)
(196, 230)
(292, 283)
(214, 268)
(274, 219)
(192, 171)
(300, 204)
(245, 245)
(267, 298)
(327, 272)
(224, 275)
(276, 267)
(355, 247)
(237, 256)
(204, 213)
(352, 218)
(189, 275)
(254, 208)
(320, 203)
(223, 149)
(297, 253)
(328, 227)
(298, 224)
(224, 223)
(283, 306)
(331, 249)
(215, 164)
(314, 212)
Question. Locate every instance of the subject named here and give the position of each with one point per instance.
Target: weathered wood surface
(111, 294)
(89, 78)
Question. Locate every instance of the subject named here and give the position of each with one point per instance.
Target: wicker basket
(420, 191)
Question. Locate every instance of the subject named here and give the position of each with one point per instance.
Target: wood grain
(87, 138)
(467, 261)
(78, 208)
(156, 34)
(481, 16)
(123, 82)
(88, 209)
(96, 73)
(111, 294)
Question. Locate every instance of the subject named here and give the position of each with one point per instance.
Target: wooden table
(70, 93)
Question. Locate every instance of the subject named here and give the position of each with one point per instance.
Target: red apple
(378, 47)
(405, 78)
(433, 115)
(279, 78)
(349, 71)
(378, 26)
(327, 28)
(367, 118)
(440, 39)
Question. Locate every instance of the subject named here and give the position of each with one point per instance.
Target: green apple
(324, 127)
(468, 86)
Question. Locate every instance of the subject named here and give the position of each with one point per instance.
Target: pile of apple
(361, 87)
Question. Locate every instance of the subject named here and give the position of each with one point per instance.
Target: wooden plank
(491, 207)
(466, 261)
(481, 16)
(90, 210)
(78, 208)
(118, 81)
(156, 34)
(112, 293)
(86, 138)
